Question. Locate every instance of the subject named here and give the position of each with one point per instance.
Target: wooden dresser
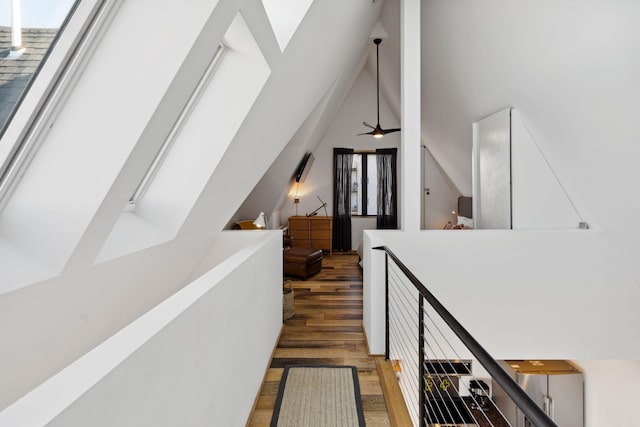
(312, 232)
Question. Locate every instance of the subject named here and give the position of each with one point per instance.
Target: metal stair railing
(429, 388)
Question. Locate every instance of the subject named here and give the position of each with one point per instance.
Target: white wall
(358, 225)
(526, 295)
(373, 295)
(181, 363)
(570, 75)
(274, 193)
(441, 199)
(539, 199)
(538, 290)
(436, 208)
(610, 388)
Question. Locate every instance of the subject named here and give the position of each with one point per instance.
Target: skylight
(285, 17)
(27, 31)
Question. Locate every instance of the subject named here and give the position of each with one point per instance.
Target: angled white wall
(539, 201)
(166, 367)
(104, 139)
(92, 135)
(275, 191)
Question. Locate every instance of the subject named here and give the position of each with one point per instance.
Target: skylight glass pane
(28, 29)
(285, 17)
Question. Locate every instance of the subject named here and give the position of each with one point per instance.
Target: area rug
(318, 396)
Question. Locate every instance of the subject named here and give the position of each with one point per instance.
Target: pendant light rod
(377, 42)
(377, 131)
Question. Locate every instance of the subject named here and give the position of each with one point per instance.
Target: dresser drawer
(301, 243)
(320, 225)
(311, 232)
(298, 224)
(320, 234)
(298, 233)
(321, 244)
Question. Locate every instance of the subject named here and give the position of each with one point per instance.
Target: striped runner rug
(318, 396)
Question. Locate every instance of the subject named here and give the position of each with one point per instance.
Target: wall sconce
(296, 199)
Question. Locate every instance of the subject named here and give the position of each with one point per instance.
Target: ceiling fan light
(378, 132)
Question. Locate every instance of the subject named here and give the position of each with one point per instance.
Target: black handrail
(530, 409)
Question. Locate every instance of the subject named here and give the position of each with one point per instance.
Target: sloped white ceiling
(270, 193)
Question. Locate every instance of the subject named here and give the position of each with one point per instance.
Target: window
(27, 31)
(42, 47)
(285, 16)
(364, 184)
(373, 186)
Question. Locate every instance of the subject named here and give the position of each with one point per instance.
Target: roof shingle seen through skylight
(15, 74)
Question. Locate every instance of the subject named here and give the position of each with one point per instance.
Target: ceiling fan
(377, 131)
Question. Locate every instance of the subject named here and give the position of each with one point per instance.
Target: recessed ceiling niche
(220, 104)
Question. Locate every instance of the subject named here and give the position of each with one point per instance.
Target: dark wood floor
(326, 330)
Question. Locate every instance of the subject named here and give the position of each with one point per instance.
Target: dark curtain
(387, 200)
(342, 160)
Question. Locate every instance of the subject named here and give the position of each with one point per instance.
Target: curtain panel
(342, 161)
(387, 217)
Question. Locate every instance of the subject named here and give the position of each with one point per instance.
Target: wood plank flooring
(326, 330)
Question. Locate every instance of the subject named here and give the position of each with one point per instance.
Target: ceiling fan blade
(386, 131)
(368, 125)
(366, 133)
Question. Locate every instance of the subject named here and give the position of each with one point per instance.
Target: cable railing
(439, 386)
